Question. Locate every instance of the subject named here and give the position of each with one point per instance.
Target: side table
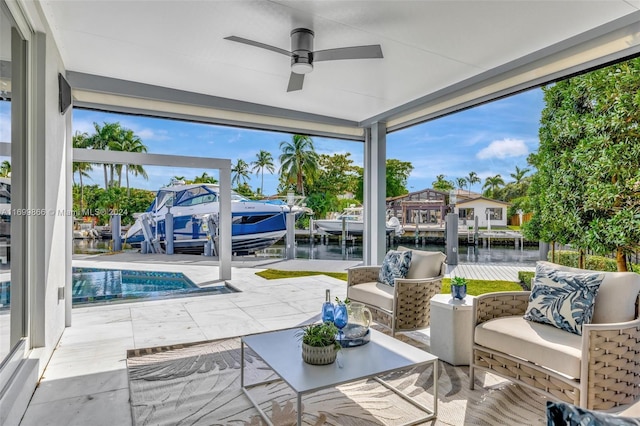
(451, 328)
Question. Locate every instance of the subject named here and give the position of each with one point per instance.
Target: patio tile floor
(85, 382)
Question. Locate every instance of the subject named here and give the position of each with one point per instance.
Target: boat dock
(433, 233)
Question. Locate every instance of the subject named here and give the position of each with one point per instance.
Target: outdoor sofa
(405, 305)
(598, 370)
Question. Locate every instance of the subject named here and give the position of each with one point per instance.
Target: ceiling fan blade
(258, 44)
(295, 82)
(355, 52)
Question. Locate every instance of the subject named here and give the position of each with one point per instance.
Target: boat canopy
(190, 195)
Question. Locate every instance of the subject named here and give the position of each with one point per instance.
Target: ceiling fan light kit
(302, 54)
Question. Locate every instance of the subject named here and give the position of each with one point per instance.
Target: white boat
(352, 218)
(256, 225)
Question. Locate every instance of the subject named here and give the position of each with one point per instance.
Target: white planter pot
(319, 355)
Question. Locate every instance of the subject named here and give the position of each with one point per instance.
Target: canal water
(353, 251)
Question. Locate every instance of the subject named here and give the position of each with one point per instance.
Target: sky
(490, 139)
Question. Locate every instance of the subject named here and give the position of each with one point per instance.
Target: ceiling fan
(303, 56)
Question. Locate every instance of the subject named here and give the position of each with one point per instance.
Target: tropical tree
(461, 182)
(519, 175)
(5, 169)
(336, 174)
(264, 161)
(298, 161)
(245, 190)
(105, 137)
(240, 172)
(205, 178)
(472, 178)
(130, 142)
(441, 184)
(79, 140)
(397, 174)
(491, 184)
(587, 188)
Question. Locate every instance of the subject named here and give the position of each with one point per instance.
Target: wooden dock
(487, 272)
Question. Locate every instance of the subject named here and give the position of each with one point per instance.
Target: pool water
(95, 285)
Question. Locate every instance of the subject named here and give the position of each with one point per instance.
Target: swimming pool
(91, 285)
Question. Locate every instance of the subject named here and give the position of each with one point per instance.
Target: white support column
(375, 188)
(224, 232)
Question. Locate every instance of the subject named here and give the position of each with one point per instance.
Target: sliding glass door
(13, 72)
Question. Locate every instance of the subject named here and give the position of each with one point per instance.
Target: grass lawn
(474, 287)
(274, 274)
(477, 287)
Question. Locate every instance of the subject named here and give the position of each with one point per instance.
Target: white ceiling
(428, 47)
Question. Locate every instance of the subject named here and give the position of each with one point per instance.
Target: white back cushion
(616, 299)
(424, 264)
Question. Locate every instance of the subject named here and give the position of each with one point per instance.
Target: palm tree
(240, 172)
(5, 169)
(492, 183)
(205, 178)
(472, 178)
(519, 174)
(442, 184)
(105, 137)
(461, 182)
(264, 161)
(130, 142)
(298, 160)
(79, 140)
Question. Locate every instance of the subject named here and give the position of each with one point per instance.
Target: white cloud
(150, 134)
(5, 128)
(503, 149)
(83, 126)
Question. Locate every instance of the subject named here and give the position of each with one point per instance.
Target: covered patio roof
(171, 59)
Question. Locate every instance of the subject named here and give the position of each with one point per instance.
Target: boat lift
(152, 243)
(210, 227)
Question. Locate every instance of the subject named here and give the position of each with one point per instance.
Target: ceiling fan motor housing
(302, 50)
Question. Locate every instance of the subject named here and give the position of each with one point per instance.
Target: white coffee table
(281, 351)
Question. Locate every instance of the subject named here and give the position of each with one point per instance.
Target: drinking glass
(340, 318)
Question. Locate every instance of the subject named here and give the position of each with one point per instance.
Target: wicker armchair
(403, 307)
(608, 354)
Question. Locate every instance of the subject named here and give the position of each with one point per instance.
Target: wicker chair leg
(472, 376)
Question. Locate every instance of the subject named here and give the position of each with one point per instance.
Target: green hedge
(596, 263)
(570, 258)
(525, 278)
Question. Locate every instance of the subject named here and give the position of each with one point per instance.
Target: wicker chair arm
(411, 302)
(362, 274)
(499, 304)
(610, 364)
(404, 281)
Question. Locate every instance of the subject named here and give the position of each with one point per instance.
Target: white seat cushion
(616, 298)
(424, 264)
(372, 293)
(539, 343)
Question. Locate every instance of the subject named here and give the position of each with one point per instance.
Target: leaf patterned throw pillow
(395, 265)
(564, 414)
(563, 299)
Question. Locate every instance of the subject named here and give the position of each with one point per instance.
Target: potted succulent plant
(319, 344)
(458, 288)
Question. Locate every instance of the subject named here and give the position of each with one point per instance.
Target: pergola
(170, 59)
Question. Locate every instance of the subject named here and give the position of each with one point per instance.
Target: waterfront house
(485, 209)
(175, 60)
